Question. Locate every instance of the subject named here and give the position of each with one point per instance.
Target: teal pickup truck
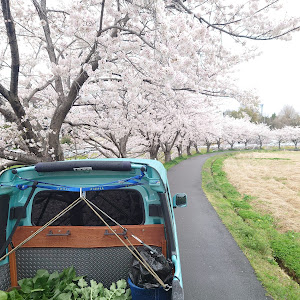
(94, 215)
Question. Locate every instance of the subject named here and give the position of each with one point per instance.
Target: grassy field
(273, 179)
(256, 194)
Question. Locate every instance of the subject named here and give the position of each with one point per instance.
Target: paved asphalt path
(213, 266)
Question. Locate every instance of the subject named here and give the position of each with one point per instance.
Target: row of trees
(287, 116)
(109, 74)
(177, 134)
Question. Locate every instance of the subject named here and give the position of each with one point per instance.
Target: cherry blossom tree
(55, 56)
(231, 131)
(293, 135)
(263, 134)
(281, 135)
(211, 128)
(246, 130)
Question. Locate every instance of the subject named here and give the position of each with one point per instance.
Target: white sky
(274, 75)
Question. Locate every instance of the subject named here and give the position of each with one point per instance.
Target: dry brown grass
(273, 179)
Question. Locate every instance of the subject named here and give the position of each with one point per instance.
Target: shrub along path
(213, 265)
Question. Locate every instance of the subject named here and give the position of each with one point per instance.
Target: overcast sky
(275, 73)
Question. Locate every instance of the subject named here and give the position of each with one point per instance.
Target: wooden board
(13, 268)
(89, 237)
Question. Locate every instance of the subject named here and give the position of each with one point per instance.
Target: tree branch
(9, 115)
(42, 12)
(79, 124)
(4, 92)
(101, 15)
(139, 35)
(38, 89)
(20, 157)
(257, 37)
(102, 146)
(14, 49)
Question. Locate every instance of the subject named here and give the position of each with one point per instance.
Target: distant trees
(250, 112)
(288, 116)
(271, 121)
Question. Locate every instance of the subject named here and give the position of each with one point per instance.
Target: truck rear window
(4, 203)
(123, 205)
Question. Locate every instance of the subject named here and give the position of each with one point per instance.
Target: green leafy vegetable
(3, 296)
(65, 286)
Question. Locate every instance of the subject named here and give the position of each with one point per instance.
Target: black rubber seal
(83, 166)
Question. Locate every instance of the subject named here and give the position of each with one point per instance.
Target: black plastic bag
(156, 260)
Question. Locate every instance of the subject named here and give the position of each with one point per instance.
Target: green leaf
(55, 293)
(70, 287)
(53, 277)
(75, 293)
(3, 295)
(41, 274)
(113, 287)
(94, 284)
(97, 289)
(77, 278)
(64, 296)
(40, 280)
(107, 293)
(14, 295)
(122, 284)
(68, 274)
(26, 285)
(86, 292)
(82, 283)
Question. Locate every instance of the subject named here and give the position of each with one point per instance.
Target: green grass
(268, 251)
(271, 158)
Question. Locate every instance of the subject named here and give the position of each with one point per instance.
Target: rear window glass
(4, 203)
(124, 206)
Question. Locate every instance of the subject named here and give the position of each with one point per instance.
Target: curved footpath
(213, 266)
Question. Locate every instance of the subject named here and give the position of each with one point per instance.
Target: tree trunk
(179, 150)
(153, 155)
(219, 144)
(123, 150)
(188, 149)
(196, 148)
(279, 144)
(167, 154)
(154, 151)
(167, 147)
(123, 145)
(208, 147)
(54, 145)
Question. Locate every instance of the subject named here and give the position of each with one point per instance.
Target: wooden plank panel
(88, 237)
(13, 268)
